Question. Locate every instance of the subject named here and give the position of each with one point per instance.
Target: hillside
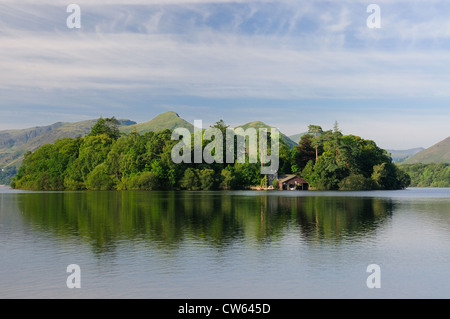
(15, 143)
(401, 155)
(297, 137)
(438, 153)
(259, 124)
(168, 120)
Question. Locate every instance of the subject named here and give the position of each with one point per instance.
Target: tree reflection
(167, 219)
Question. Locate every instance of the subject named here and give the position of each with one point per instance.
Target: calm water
(242, 244)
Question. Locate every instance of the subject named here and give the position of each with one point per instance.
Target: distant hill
(296, 137)
(168, 120)
(15, 143)
(438, 153)
(259, 124)
(401, 155)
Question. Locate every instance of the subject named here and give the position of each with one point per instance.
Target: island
(106, 159)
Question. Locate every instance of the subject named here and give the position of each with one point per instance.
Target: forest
(329, 160)
(105, 159)
(428, 175)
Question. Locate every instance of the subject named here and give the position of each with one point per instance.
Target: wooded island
(106, 159)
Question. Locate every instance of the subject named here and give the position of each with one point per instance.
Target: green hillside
(401, 155)
(15, 143)
(296, 137)
(168, 120)
(438, 153)
(259, 124)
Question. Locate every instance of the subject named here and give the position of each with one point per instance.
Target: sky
(288, 63)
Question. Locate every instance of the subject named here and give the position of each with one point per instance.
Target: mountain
(15, 143)
(296, 137)
(438, 153)
(259, 124)
(168, 120)
(400, 155)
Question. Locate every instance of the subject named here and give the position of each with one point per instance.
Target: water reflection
(216, 218)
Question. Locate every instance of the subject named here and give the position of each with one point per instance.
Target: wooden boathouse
(292, 182)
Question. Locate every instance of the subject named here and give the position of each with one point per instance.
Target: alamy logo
(237, 141)
(374, 20)
(374, 279)
(74, 20)
(74, 279)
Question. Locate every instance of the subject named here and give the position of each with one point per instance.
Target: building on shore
(292, 182)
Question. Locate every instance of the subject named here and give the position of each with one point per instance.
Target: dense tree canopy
(345, 162)
(104, 160)
(428, 175)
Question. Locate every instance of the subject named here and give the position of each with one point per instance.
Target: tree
(98, 179)
(388, 176)
(355, 182)
(207, 180)
(93, 151)
(350, 162)
(100, 160)
(303, 153)
(380, 173)
(190, 180)
(275, 183)
(247, 174)
(264, 181)
(316, 130)
(221, 126)
(108, 126)
(427, 175)
(227, 179)
(308, 172)
(148, 181)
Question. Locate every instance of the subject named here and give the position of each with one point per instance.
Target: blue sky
(287, 63)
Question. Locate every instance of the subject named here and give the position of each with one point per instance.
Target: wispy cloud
(126, 46)
(220, 65)
(224, 50)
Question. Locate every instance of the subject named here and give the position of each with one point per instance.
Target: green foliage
(45, 168)
(348, 162)
(246, 174)
(264, 181)
(148, 181)
(427, 175)
(228, 179)
(6, 174)
(190, 180)
(108, 126)
(103, 160)
(303, 153)
(355, 182)
(275, 183)
(99, 179)
(207, 179)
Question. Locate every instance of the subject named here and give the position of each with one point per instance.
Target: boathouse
(292, 182)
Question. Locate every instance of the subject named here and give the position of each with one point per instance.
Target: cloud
(129, 51)
(216, 65)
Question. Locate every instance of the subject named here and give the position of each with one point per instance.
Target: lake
(227, 244)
